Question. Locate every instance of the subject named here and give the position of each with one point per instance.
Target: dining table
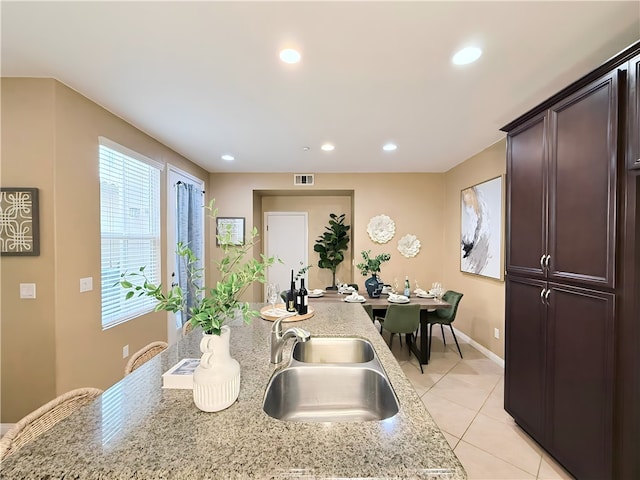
(380, 305)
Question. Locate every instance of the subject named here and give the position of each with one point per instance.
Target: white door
(286, 237)
(175, 175)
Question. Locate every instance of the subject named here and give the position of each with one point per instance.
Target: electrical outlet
(125, 351)
(28, 290)
(86, 284)
(496, 332)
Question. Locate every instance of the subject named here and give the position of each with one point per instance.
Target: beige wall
(413, 201)
(424, 204)
(28, 326)
(56, 343)
(318, 209)
(482, 307)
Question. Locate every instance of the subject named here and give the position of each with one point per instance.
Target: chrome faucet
(278, 338)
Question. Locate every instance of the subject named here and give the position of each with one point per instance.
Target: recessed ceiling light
(467, 55)
(389, 147)
(228, 158)
(289, 55)
(327, 147)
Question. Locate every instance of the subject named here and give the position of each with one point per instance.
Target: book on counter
(181, 374)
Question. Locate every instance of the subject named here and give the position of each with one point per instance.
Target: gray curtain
(189, 213)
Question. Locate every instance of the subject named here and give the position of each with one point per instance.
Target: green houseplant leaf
(371, 266)
(212, 306)
(331, 245)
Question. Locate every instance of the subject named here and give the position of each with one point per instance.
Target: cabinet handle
(542, 292)
(546, 296)
(542, 262)
(546, 261)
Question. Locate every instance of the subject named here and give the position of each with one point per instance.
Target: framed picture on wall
(481, 229)
(234, 225)
(19, 222)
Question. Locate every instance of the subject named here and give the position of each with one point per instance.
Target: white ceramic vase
(216, 381)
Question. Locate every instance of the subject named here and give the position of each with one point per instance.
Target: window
(129, 228)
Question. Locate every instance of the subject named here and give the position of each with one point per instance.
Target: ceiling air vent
(303, 178)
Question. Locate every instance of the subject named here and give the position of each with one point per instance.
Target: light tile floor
(465, 398)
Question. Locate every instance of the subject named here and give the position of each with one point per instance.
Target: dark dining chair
(445, 316)
(402, 319)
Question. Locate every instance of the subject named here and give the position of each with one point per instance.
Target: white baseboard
(485, 351)
(4, 427)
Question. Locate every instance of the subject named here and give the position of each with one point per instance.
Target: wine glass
(395, 286)
(273, 290)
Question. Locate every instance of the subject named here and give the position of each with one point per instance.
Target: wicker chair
(186, 328)
(144, 355)
(44, 418)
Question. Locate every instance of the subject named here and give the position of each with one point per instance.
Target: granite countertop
(137, 430)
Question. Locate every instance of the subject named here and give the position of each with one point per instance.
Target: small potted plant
(212, 307)
(371, 266)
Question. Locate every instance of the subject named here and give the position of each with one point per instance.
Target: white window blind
(129, 228)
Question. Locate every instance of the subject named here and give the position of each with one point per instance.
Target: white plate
(355, 301)
(425, 295)
(316, 295)
(399, 301)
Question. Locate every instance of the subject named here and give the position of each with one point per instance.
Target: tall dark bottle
(303, 299)
(291, 296)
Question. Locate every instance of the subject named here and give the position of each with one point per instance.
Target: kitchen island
(138, 430)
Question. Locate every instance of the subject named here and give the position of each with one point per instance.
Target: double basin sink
(331, 379)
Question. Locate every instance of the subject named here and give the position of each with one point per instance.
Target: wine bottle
(291, 296)
(303, 299)
(407, 287)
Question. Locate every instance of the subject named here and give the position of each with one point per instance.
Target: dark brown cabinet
(572, 379)
(633, 154)
(559, 384)
(562, 184)
(526, 351)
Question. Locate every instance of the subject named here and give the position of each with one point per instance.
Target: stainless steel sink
(331, 379)
(330, 393)
(333, 350)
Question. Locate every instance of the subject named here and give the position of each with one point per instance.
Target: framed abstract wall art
(235, 225)
(481, 229)
(19, 222)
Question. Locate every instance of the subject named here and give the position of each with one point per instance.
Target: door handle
(542, 262)
(546, 296)
(542, 292)
(546, 261)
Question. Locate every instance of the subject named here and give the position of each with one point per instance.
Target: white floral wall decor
(409, 245)
(381, 228)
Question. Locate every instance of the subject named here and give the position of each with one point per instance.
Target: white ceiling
(204, 77)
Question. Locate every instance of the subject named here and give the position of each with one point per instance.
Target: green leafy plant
(371, 266)
(211, 306)
(302, 271)
(331, 245)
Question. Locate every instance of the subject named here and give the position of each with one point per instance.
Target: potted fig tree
(331, 245)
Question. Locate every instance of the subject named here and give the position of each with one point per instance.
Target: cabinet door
(633, 152)
(525, 359)
(526, 193)
(580, 380)
(582, 185)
